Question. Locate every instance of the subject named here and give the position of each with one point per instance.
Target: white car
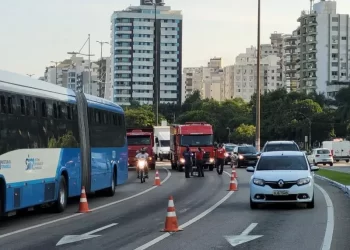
(282, 177)
(321, 156)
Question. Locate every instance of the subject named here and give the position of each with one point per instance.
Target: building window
(335, 28)
(335, 19)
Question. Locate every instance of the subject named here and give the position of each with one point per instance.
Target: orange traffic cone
(171, 219)
(157, 179)
(233, 183)
(83, 205)
(234, 173)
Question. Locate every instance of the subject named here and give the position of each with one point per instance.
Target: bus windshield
(139, 140)
(164, 143)
(197, 140)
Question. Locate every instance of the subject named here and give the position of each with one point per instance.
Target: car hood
(286, 175)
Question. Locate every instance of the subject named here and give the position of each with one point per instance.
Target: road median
(338, 179)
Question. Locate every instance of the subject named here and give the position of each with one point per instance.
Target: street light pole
(229, 134)
(257, 140)
(100, 75)
(156, 87)
(56, 63)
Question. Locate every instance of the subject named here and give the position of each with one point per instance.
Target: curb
(344, 188)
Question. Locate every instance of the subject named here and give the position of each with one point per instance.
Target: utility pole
(56, 63)
(102, 81)
(257, 140)
(156, 85)
(89, 60)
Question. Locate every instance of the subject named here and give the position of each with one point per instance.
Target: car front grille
(291, 197)
(275, 185)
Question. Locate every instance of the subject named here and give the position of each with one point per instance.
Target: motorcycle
(142, 164)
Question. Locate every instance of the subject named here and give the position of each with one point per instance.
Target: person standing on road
(187, 154)
(199, 161)
(220, 159)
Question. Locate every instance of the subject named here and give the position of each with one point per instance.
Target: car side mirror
(314, 168)
(250, 169)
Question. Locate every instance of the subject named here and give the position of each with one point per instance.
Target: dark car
(280, 146)
(229, 149)
(244, 156)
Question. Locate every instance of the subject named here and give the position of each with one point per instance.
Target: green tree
(140, 117)
(244, 134)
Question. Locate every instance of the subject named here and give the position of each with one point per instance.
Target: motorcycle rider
(187, 154)
(142, 155)
(199, 161)
(220, 159)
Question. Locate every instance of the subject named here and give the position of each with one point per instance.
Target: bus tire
(62, 198)
(111, 190)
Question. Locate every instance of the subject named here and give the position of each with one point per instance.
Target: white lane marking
(195, 219)
(75, 215)
(236, 240)
(68, 239)
(249, 229)
(327, 240)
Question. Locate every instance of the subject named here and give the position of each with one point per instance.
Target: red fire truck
(194, 135)
(140, 138)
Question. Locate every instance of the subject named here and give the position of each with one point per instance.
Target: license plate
(251, 162)
(324, 160)
(280, 192)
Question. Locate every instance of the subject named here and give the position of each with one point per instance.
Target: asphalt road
(205, 209)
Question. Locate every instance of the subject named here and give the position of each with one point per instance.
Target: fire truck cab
(194, 135)
(140, 138)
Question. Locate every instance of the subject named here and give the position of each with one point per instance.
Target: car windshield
(282, 163)
(280, 147)
(246, 150)
(164, 143)
(229, 148)
(196, 140)
(139, 140)
(323, 151)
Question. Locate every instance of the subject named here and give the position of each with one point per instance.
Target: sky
(35, 32)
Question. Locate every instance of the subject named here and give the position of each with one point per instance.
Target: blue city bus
(53, 141)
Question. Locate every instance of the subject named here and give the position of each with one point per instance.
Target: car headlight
(241, 157)
(182, 160)
(303, 181)
(226, 154)
(259, 182)
(211, 159)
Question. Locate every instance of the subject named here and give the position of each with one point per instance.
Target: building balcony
(142, 79)
(122, 63)
(169, 32)
(143, 63)
(169, 25)
(144, 24)
(169, 40)
(144, 32)
(143, 39)
(143, 94)
(312, 41)
(312, 32)
(168, 48)
(168, 79)
(313, 24)
(122, 71)
(128, 32)
(120, 24)
(313, 59)
(122, 56)
(119, 79)
(143, 55)
(142, 71)
(168, 56)
(142, 87)
(168, 72)
(117, 39)
(168, 64)
(143, 47)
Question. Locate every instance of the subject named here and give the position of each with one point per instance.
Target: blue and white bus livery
(53, 141)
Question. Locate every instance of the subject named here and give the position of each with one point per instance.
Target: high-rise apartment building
(324, 49)
(146, 54)
(245, 74)
(290, 59)
(74, 74)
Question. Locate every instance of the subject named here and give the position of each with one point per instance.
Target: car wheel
(331, 164)
(311, 204)
(253, 205)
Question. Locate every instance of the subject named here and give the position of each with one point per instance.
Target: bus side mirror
(157, 140)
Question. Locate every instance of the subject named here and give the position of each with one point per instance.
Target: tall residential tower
(146, 54)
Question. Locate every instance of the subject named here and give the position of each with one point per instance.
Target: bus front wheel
(62, 198)
(111, 190)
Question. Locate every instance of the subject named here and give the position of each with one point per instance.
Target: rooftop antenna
(311, 4)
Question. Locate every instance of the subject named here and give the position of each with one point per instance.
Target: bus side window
(55, 110)
(3, 104)
(27, 107)
(69, 112)
(10, 105)
(23, 106)
(34, 107)
(59, 111)
(43, 109)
